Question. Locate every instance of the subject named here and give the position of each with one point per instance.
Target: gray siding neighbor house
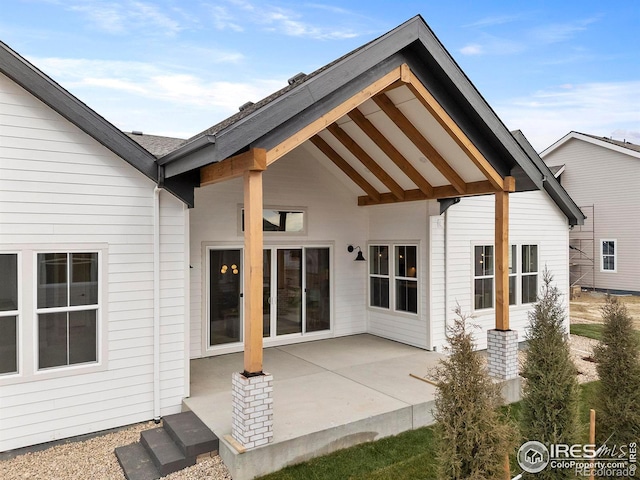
(602, 176)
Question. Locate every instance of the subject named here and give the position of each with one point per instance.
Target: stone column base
(502, 354)
(252, 405)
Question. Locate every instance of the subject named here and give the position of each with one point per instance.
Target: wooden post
(502, 260)
(592, 436)
(507, 467)
(253, 266)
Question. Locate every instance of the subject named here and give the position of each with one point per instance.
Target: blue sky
(176, 67)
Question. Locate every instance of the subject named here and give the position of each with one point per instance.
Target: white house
(605, 253)
(120, 263)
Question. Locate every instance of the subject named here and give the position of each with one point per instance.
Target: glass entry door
(289, 306)
(225, 301)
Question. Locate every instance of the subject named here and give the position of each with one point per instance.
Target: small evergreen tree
(550, 394)
(618, 366)
(473, 438)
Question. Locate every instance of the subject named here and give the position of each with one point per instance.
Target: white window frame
(482, 277)
(284, 208)
(68, 308)
(615, 255)
(392, 277)
(523, 274)
(16, 314)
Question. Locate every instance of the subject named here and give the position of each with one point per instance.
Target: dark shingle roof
(619, 143)
(155, 144)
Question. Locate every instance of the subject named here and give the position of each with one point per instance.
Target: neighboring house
(110, 284)
(602, 175)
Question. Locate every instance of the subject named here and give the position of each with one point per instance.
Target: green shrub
(618, 366)
(550, 393)
(472, 437)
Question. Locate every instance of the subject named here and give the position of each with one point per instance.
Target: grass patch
(589, 330)
(408, 456)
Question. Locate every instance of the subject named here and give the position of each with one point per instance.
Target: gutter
(156, 304)
(187, 149)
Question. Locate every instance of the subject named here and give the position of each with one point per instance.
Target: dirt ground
(586, 308)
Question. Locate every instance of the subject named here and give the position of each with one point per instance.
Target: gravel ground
(94, 460)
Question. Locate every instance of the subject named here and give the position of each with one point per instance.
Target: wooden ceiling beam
(343, 165)
(452, 128)
(366, 159)
(331, 116)
(390, 151)
(483, 187)
(233, 167)
(413, 134)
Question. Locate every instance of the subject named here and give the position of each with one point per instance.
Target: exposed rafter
(330, 117)
(343, 165)
(364, 158)
(412, 133)
(454, 131)
(483, 187)
(390, 151)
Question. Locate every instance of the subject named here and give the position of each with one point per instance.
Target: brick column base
(252, 404)
(502, 354)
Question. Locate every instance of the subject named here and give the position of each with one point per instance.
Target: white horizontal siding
(534, 219)
(608, 180)
(59, 187)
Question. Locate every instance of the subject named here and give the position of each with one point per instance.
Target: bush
(550, 394)
(618, 366)
(472, 438)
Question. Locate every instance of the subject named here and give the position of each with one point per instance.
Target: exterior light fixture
(359, 257)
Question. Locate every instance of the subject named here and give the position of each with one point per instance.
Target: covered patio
(328, 394)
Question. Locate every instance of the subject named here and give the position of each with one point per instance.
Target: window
(529, 273)
(67, 309)
(513, 275)
(393, 277)
(608, 255)
(379, 275)
(483, 277)
(8, 313)
(280, 220)
(406, 279)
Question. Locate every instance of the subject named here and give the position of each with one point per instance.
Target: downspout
(156, 304)
(446, 273)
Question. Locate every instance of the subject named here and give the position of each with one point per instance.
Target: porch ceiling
(393, 142)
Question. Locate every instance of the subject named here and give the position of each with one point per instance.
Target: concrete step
(191, 435)
(136, 463)
(166, 455)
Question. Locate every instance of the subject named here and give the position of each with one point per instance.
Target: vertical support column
(502, 343)
(252, 390)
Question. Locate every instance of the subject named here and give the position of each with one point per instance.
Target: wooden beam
(390, 151)
(452, 128)
(502, 259)
(331, 116)
(413, 134)
(446, 191)
(343, 165)
(233, 167)
(253, 266)
(364, 158)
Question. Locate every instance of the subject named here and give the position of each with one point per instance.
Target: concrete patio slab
(328, 394)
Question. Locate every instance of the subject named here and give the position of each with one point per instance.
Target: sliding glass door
(296, 293)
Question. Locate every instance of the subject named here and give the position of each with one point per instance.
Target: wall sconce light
(359, 257)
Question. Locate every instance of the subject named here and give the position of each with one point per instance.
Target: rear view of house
(602, 176)
(128, 255)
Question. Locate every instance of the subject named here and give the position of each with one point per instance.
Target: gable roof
(45, 89)
(551, 184)
(157, 145)
(625, 147)
(281, 115)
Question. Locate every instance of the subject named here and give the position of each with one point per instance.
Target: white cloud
(472, 49)
(595, 108)
(559, 32)
(493, 20)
